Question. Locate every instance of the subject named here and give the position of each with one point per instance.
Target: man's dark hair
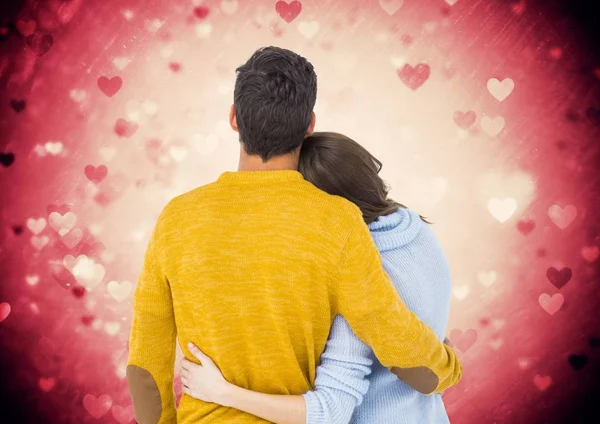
(275, 93)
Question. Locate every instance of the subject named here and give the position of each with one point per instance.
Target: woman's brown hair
(339, 165)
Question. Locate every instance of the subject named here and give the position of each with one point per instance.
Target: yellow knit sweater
(252, 269)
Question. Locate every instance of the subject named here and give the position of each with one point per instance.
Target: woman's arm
(340, 384)
(206, 383)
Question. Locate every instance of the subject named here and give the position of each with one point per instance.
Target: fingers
(198, 353)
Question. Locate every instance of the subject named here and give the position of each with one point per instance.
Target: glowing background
(491, 132)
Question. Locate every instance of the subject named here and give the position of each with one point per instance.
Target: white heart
(36, 226)
(461, 292)
(77, 95)
(492, 126)
(562, 217)
(487, 278)
(500, 90)
(178, 153)
(308, 28)
(119, 291)
(390, 6)
(205, 145)
(121, 62)
(53, 147)
(112, 328)
(62, 224)
(229, 6)
(203, 30)
(107, 153)
(502, 210)
(86, 271)
(32, 280)
(39, 241)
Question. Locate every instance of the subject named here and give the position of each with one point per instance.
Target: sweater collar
(260, 177)
(396, 229)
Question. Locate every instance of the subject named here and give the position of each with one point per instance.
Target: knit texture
(252, 269)
(415, 262)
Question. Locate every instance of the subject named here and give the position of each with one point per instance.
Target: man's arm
(364, 295)
(150, 366)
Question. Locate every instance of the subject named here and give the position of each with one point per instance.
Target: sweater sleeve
(364, 295)
(151, 362)
(341, 381)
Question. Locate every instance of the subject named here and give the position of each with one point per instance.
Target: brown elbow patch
(422, 379)
(144, 391)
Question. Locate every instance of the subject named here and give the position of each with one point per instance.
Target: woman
(418, 269)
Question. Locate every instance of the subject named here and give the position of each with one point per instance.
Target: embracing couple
(298, 291)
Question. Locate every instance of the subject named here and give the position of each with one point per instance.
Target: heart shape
(308, 28)
(4, 310)
(590, 253)
(123, 414)
(62, 224)
(125, 128)
(288, 11)
(562, 217)
(97, 406)
(525, 227)
(500, 89)
(36, 226)
(463, 341)
(119, 291)
(559, 278)
(542, 383)
(391, 6)
(492, 126)
(551, 304)
(96, 174)
(503, 209)
(40, 43)
(46, 384)
(465, 119)
(578, 361)
(111, 86)
(201, 12)
(7, 159)
(17, 105)
(414, 77)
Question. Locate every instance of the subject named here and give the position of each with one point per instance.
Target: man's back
(252, 269)
(248, 260)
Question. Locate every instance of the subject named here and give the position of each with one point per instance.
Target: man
(253, 267)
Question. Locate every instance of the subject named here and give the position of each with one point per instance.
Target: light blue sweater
(350, 375)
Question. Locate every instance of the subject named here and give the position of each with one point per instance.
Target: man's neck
(277, 163)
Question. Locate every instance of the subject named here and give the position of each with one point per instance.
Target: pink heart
(72, 238)
(551, 304)
(465, 119)
(542, 383)
(463, 341)
(590, 253)
(110, 87)
(415, 77)
(46, 384)
(26, 27)
(124, 128)
(525, 227)
(201, 12)
(559, 278)
(123, 414)
(96, 174)
(97, 407)
(40, 43)
(288, 12)
(4, 310)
